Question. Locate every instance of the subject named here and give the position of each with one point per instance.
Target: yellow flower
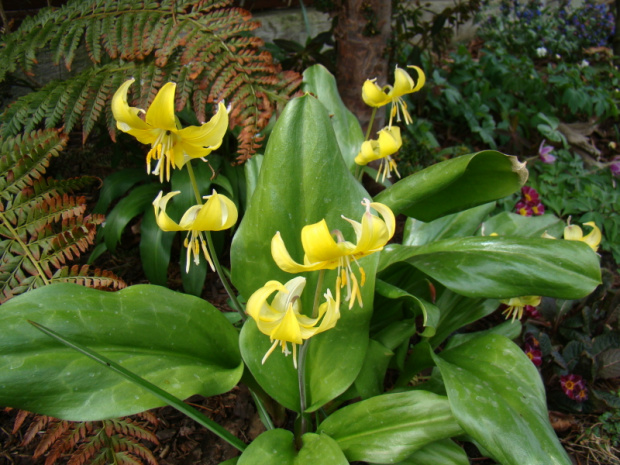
(322, 252)
(217, 214)
(170, 144)
(283, 321)
(517, 304)
(388, 143)
(574, 233)
(376, 96)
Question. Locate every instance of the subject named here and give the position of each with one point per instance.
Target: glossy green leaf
(444, 452)
(303, 179)
(277, 447)
(429, 312)
(512, 224)
(501, 267)
(118, 184)
(320, 82)
(178, 342)
(498, 398)
(155, 246)
(454, 185)
(370, 380)
(252, 170)
(136, 202)
(389, 428)
(464, 223)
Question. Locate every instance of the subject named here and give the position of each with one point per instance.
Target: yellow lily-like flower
(322, 252)
(376, 96)
(217, 214)
(170, 144)
(516, 305)
(387, 144)
(283, 321)
(573, 232)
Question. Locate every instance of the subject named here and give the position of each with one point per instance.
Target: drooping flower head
(322, 252)
(573, 232)
(544, 152)
(516, 306)
(574, 386)
(387, 144)
(217, 214)
(170, 145)
(282, 319)
(376, 96)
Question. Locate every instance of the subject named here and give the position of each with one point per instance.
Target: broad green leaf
(370, 380)
(498, 398)
(444, 452)
(389, 428)
(118, 184)
(320, 82)
(155, 246)
(136, 202)
(252, 170)
(454, 185)
(178, 342)
(464, 223)
(429, 311)
(303, 179)
(501, 267)
(512, 224)
(277, 447)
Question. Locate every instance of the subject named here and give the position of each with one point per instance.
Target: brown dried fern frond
(42, 225)
(204, 46)
(91, 442)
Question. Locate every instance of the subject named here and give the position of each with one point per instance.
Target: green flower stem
(150, 387)
(317, 294)
(358, 169)
(216, 262)
(301, 377)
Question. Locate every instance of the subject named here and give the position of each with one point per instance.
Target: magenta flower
(614, 166)
(523, 209)
(544, 152)
(574, 387)
(532, 348)
(529, 195)
(538, 209)
(531, 312)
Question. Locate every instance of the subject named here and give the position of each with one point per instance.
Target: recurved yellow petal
(373, 95)
(161, 112)
(164, 222)
(126, 117)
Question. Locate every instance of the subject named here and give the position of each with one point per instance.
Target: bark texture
(362, 34)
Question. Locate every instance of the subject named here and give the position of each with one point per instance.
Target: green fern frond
(204, 46)
(42, 224)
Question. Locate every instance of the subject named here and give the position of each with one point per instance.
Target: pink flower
(532, 348)
(574, 387)
(544, 152)
(529, 195)
(538, 209)
(531, 312)
(614, 166)
(524, 209)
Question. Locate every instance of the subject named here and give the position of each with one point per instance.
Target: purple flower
(614, 166)
(574, 386)
(544, 152)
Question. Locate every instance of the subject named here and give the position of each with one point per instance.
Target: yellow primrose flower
(322, 252)
(217, 214)
(388, 143)
(170, 144)
(516, 305)
(376, 96)
(573, 232)
(283, 321)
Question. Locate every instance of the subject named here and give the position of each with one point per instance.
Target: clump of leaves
(43, 226)
(117, 441)
(205, 46)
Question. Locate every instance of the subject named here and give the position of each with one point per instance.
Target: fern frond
(42, 226)
(203, 45)
(87, 276)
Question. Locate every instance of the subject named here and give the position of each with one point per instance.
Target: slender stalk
(317, 294)
(301, 378)
(216, 262)
(153, 389)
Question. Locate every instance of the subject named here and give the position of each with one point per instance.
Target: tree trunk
(362, 34)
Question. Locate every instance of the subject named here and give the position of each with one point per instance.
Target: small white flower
(584, 63)
(541, 52)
